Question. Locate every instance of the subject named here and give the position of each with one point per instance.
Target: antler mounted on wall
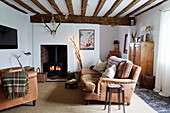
(53, 32)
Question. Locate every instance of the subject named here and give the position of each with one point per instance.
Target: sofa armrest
(116, 81)
(103, 82)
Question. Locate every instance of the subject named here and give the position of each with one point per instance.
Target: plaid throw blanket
(15, 84)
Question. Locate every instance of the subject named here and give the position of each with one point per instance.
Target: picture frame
(86, 39)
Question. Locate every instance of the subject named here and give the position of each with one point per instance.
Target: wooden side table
(111, 88)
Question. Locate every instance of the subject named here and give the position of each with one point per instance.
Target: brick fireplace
(54, 60)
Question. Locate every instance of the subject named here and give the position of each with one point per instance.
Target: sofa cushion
(100, 66)
(123, 69)
(89, 82)
(110, 72)
(113, 60)
(86, 71)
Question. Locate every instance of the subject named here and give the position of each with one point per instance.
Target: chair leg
(87, 102)
(34, 102)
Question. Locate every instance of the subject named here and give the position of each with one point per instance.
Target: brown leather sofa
(94, 86)
(31, 96)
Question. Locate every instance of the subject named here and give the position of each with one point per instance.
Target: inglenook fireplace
(54, 60)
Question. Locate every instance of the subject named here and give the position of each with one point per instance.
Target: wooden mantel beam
(36, 2)
(99, 7)
(83, 19)
(134, 2)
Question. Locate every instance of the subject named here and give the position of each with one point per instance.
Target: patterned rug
(153, 99)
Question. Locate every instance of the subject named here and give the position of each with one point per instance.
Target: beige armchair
(94, 86)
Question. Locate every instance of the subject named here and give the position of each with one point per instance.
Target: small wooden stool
(110, 88)
(72, 84)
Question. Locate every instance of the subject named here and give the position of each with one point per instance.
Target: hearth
(54, 60)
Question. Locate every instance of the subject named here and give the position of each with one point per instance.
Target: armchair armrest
(32, 74)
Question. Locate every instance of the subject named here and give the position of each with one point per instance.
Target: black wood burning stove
(54, 60)
(54, 69)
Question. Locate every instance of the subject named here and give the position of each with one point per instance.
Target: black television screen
(8, 38)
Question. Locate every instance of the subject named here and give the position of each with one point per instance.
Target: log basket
(41, 76)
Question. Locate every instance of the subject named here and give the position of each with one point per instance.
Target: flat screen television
(8, 38)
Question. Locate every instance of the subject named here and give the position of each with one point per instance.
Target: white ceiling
(92, 4)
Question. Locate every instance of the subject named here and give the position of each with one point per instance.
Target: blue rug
(153, 99)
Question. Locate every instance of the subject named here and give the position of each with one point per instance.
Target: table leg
(118, 98)
(110, 100)
(123, 98)
(106, 99)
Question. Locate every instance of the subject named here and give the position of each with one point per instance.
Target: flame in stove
(51, 68)
(58, 68)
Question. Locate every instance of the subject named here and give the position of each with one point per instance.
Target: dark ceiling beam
(83, 7)
(55, 6)
(70, 7)
(141, 7)
(114, 6)
(134, 2)
(40, 6)
(26, 6)
(99, 7)
(151, 7)
(83, 19)
(11, 5)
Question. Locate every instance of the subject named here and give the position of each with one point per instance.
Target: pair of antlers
(52, 31)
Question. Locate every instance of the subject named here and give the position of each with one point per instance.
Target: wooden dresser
(141, 53)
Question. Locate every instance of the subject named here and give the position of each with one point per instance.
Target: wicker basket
(41, 76)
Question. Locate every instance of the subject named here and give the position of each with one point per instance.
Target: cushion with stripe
(113, 60)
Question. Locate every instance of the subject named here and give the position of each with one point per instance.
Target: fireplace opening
(54, 60)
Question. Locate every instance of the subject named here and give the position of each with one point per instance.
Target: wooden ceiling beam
(99, 7)
(70, 7)
(114, 6)
(11, 5)
(134, 2)
(151, 7)
(40, 6)
(141, 7)
(83, 7)
(82, 19)
(25, 6)
(55, 6)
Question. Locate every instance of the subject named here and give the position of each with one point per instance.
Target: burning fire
(57, 68)
(51, 68)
